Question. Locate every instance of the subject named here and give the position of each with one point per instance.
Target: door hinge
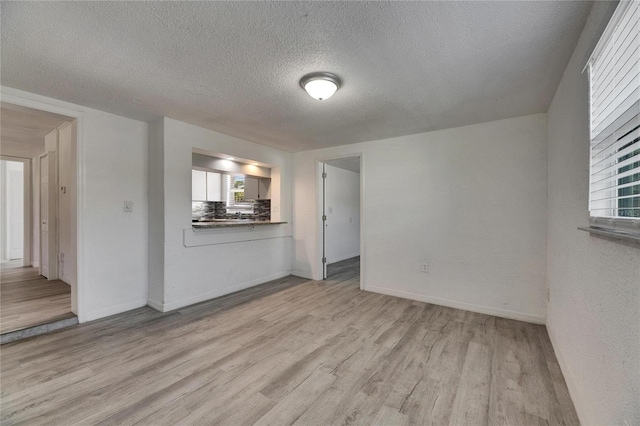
(324, 175)
(324, 217)
(324, 260)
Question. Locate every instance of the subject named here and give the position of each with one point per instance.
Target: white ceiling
(22, 130)
(234, 67)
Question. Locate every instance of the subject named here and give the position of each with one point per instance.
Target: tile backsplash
(218, 210)
(208, 209)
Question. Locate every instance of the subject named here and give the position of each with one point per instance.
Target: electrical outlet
(128, 206)
(425, 267)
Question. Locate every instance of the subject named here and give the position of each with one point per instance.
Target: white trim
(628, 224)
(503, 313)
(155, 305)
(166, 307)
(114, 310)
(303, 274)
(574, 390)
(26, 99)
(622, 7)
(30, 100)
(319, 273)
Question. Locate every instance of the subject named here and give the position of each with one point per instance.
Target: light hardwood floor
(292, 351)
(27, 299)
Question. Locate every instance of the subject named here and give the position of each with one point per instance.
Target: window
(614, 79)
(235, 195)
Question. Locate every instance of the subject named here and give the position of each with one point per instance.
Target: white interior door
(15, 209)
(48, 236)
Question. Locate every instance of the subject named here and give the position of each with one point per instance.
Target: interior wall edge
(155, 305)
(114, 310)
(572, 385)
(302, 274)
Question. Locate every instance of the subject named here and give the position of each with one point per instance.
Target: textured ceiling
(22, 130)
(234, 67)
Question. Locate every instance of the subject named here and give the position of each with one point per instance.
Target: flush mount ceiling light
(320, 85)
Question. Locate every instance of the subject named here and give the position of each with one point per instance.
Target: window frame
(243, 206)
(614, 224)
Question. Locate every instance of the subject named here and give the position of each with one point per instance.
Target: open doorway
(38, 222)
(12, 216)
(341, 218)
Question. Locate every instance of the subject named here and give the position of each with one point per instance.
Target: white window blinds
(614, 71)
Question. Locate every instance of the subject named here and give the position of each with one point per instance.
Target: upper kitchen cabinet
(198, 185)
(214, 186)
(206, 186)
(257, 188)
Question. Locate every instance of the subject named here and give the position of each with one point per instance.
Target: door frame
(26, 208)
(78, 116)
(320, 161)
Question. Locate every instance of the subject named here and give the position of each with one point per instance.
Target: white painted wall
(186, 275)
(594, 309)
(343, 214)
(475, 210)
(115, 255)
(112, 269)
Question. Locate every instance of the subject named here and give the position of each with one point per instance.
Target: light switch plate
(128, 206)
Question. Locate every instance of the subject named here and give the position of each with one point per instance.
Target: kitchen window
(614, 82)
(235, 195)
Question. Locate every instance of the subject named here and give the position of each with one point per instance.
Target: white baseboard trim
(155, 305)
(503, 313)
(113, 310)
(166, 307)
(302, 274)
(574, 389)
(35, 264)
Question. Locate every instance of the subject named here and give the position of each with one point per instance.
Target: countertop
(232, 223)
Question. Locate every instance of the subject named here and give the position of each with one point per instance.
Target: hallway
(28, 299)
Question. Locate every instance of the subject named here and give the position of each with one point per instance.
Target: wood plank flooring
(28, 299)
(292, 351)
